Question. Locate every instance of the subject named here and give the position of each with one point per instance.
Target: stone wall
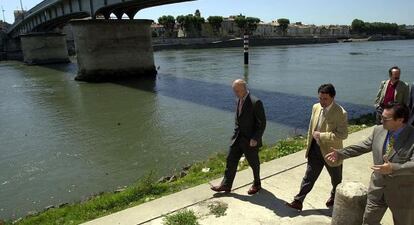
(13, 49)
(44, 48)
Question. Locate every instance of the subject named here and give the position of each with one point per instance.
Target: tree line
(360, 27)
(192, 23)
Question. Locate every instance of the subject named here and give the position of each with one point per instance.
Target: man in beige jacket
(391, 90)
(328, 128)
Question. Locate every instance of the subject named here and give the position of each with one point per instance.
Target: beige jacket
(334, 129)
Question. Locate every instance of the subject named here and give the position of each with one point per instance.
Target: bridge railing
(37, 8)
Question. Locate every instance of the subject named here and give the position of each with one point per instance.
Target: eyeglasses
(385, 118)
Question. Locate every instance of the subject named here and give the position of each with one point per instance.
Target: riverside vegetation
(149, 188)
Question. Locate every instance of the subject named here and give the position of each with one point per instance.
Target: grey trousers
(375, 210)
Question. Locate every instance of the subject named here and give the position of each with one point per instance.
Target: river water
(62, 140)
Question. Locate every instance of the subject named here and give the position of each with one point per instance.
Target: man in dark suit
(250, 123)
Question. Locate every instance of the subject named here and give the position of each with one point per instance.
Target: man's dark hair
(327, 89)
(393, 68)
(400, 111)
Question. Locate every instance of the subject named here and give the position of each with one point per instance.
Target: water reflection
(288, 109)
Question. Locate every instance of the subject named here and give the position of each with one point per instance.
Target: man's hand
(385, 168)
(253, 143)
(332, 156)
(316, 135)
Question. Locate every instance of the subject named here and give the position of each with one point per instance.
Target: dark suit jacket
(252, 121)
(411, 105)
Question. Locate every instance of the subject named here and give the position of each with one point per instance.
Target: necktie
(390, 145)
(320, 119)
(240, 106)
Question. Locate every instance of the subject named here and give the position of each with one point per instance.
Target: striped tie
(390, 146)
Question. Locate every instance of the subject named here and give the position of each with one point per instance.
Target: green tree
(358, 26)
(169, 23)
(215, 22)
(283, 24)
(246, 25)
(252, 24)
(241, 22)
(191, 24)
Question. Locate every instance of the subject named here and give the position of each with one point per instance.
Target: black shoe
(295, 205)
(221, 188)
(254, 189)
(330, 202)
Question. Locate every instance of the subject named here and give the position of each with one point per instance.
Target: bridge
(106, 48)
(50, 14)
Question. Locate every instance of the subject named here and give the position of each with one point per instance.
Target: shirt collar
(397, 132)
(328, 107)
(247, 94)
(395, 84)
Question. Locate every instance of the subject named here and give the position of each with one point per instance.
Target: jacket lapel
(329, 114)
(316, 117)
(246, 104)
(237, 108)
(397, 88)
(382, 137)
(384, 90)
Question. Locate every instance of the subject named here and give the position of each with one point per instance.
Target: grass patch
(218, 208)
(185, 217)
(147, 188)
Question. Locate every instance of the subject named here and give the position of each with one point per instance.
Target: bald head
(240, 88)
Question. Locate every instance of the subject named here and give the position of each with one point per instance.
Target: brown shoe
(220, 188)
(330, 202)
(254, 189)
(295, 205)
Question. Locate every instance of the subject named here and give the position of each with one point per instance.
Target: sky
(318, 12)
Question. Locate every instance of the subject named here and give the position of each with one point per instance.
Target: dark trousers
(314, 169)
(241, 146)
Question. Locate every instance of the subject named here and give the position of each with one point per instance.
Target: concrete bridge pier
(11, 49)
(44, 48)
(109, 50)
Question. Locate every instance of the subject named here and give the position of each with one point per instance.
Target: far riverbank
(200, 43)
